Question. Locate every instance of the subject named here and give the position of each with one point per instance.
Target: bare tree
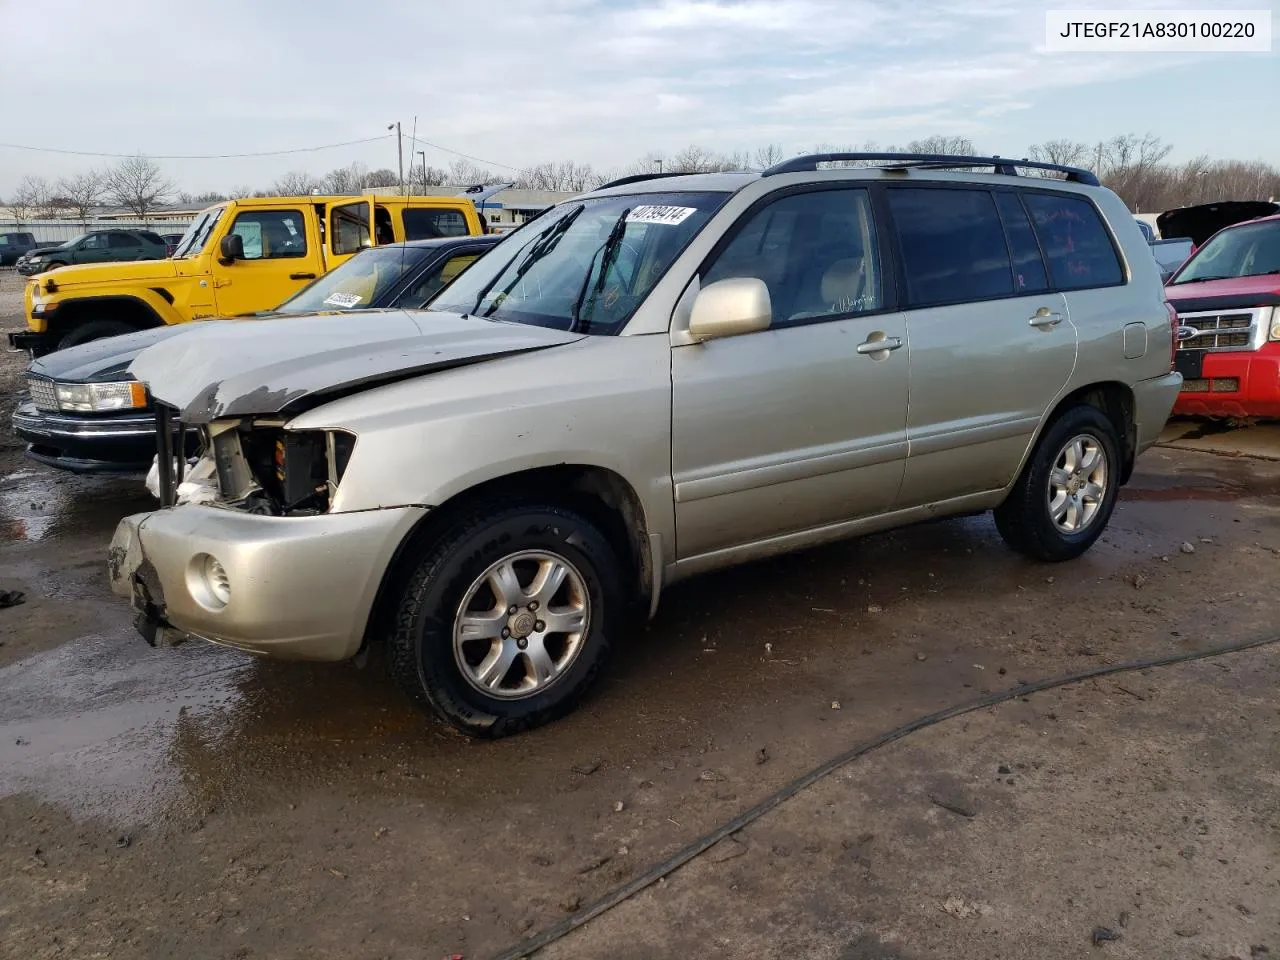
(430, 176)
(210, 196)
(951, 146)
(295, 183)
(137, 184)
(768, 155)
(347, 180)
(562, 175)
(381, 178)
(82, 193)
(1071, 153)
(240, 192)
(28, 197)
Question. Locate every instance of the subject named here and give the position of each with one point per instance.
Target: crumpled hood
(287, 363)
(102, 360)
(128, 271)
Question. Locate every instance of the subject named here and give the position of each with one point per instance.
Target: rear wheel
(505, 620)
(94, 330)
(1062, 501)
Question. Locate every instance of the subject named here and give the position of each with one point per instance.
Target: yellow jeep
(237, 257)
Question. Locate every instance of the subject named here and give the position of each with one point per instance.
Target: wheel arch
(601, 495)
(1115, 400)
(137, 311)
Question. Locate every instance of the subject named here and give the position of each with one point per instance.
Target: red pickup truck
(1227, 296)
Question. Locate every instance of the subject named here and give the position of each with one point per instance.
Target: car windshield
(197, 235)
(1250, 250)
(586, 265)
(359, 283)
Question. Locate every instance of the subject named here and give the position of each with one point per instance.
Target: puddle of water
(37, 506)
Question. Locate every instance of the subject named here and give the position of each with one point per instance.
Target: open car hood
(1203, 221)
(286, 364)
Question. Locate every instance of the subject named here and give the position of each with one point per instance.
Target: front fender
(76, 304)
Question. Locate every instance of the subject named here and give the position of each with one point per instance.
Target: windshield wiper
(1205, 279)
(543, 244)
(608, 253)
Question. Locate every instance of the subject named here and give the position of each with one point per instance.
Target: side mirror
(729, 308)
(232, 248)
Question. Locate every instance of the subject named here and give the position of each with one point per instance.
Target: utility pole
(423, 155)
(399, 152)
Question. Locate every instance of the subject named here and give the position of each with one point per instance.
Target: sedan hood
(103, 360)
(286, 364)
(129, 271)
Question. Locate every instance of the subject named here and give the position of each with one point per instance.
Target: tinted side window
(953, 247)
(434, 280)
(1028, 267)
(1074, 241)
(426, 224)
(95, 241)
(271, 234)
(117, 240)
(816, 252)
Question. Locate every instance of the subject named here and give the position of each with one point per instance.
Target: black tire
(94, 330)
(420, 650)
(1024, 519)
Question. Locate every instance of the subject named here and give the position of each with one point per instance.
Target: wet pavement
(199, 802)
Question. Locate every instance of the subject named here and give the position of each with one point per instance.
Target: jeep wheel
(94, 330)
(506, 618)
(1062, 501)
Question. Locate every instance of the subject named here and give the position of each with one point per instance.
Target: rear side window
(427, 224)
(121, 240)
(1075, 241)
(953, 246)
(153, 237)
(1028, 268)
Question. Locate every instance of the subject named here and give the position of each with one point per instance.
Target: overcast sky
(600, 81)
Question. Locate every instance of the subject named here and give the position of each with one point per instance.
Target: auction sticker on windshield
(343, 300)
(671, 216)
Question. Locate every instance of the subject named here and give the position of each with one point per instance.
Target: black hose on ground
(703, 843)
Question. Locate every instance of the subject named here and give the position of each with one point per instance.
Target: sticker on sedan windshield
(656, 214)
(343, 300)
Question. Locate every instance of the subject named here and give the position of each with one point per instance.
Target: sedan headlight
(1275, 324)
(101, 397)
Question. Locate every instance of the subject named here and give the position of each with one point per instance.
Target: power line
(261, 153)
(456, 153)
(193, 156)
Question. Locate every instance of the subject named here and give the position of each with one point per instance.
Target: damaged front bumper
(297, 588)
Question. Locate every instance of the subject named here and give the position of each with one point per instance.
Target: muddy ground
(199, 803)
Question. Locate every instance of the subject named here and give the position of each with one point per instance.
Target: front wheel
(506, 618)
(1065, 495)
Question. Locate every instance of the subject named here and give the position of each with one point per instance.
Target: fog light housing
(208, 582)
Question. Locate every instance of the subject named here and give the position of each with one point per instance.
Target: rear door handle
(302, 276)
(1045, 318)
(879, 346)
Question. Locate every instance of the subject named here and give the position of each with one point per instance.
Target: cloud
(521, 81)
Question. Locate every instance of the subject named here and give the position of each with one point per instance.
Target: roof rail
(641, 177)
(1003, 165)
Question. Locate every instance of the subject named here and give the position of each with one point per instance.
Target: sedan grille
(43, 394)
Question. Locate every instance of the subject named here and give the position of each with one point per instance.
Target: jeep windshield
(359, 283)
(1249, 250)
(586, 265)
(197, 235)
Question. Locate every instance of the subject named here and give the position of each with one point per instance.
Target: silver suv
(666, 376)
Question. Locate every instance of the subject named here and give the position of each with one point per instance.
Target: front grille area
(43, 394)
(1218, 331)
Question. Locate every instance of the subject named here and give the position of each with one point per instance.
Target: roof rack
(929, 161)
(641, 177)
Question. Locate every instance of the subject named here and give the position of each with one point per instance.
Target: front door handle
(302, 276)
(1044, 318)
(879, 346)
